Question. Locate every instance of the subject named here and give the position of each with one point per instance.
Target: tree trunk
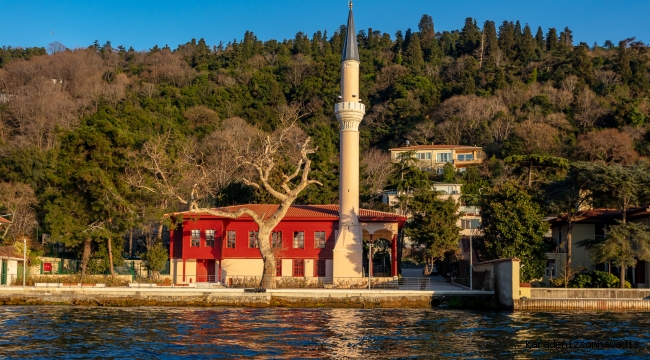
(264, 244)
(530, 174)
(131, 243)
(160, 230)
(110, 256)
(85, 257)
(622, 277)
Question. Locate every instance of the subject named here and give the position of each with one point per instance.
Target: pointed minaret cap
(350, 48)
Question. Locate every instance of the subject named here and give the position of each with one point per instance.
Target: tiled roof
(4, 221)
(314, 211)
(435, 147)
(9, 251)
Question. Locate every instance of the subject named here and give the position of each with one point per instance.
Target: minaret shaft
(348, 250)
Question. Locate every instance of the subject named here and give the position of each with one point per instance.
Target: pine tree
(566, 38)
(491, 43)
(526, 45)
(623, 62)
(413, 56)
(428, 40)
(470, 37)
(507, 39)
(551, 40)
(581, 62)
(539, 39)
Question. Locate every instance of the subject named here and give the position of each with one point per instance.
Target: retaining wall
(226, 297)
(568, 293)
(582, 304)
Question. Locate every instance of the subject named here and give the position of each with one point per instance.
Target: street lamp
(471, 265)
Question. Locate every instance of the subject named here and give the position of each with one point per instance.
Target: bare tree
(264, 161)
(239, 151)
(538, 137)
(378, 168)
(55, 47)
(607, 146)
(588, 109)
(298, 69)
(17, 201)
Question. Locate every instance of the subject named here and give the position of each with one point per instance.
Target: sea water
(162, 332)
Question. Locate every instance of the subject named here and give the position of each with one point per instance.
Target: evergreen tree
(434, 225)
(470, 37)
(581, 62)
(552, 42)
(566, 39)
(428, 41)
(623, 62)
(413, 56)
(491, 43)
(508, 40)
(539, 40)
(526, 45)
(513, 226)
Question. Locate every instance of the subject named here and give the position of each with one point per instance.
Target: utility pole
(24, 259)
(471, 265)
(370, 262)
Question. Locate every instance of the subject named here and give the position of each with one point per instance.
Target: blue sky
(144, 23)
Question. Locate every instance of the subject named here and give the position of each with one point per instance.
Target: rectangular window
(470, 224)
(319, 267)
(209, 238)
(298, 239)
(252, 239)
(465, 157)
(299, 268)
(278, 267)
(195, 240)
(230, 239)
(319, 240)
(423, 156)
(276, 239)
(443, 157)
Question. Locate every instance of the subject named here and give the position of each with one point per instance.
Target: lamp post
(370, 262)
(471, 265)
(24, 259)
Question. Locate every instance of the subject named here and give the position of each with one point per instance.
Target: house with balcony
(592, 224)
(434, 157)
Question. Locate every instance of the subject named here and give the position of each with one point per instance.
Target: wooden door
(201, 270)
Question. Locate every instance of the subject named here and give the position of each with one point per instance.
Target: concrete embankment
(586, 299)
(226, 297)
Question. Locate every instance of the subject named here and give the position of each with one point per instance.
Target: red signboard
(47, 267)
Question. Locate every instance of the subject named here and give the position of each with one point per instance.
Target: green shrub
(597, 279)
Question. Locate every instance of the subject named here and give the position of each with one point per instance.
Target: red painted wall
(202, 251)
(242, 229)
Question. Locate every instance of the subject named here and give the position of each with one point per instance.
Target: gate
(3, 275)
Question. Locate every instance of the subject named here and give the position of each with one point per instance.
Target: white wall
(244, 267)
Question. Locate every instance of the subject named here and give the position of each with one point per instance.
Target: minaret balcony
(349, 115)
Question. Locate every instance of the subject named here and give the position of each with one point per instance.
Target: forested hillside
(80, 127)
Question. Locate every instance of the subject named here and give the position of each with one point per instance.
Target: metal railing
(394, 283)
(433, 283)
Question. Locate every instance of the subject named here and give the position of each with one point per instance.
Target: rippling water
(156, 332)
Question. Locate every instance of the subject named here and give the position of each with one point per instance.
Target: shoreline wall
(226, 297)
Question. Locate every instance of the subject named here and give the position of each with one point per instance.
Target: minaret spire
(350, 48)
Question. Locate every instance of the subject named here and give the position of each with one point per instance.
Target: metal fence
(433, 283)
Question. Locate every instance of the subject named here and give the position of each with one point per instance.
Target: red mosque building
(208, 248)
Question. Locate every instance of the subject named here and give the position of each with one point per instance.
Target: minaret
(349, 111)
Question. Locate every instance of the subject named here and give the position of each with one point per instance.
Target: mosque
(311, 240)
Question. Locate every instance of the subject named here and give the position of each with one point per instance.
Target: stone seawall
(225, 297)
(582, 305)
